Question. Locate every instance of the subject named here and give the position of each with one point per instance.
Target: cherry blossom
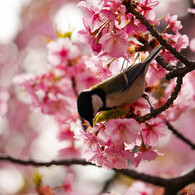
(122, 130)
(115, 157)
(91, 14)
(174, 24)
(61, 51)
(144, 156)
(192, 45)
(139, 188)
(153, 130)
(114, 45)
(146, 7)
(112, 40)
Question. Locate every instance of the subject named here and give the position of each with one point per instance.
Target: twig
(164, 63)
(165, 106)
(179, 135)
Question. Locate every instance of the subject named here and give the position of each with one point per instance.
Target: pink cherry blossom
(50, 106)
(146, 8)
(91, 14)
(191, 10)
(139, 188)
(99, 70)
(174, 24)
(182, 42)
(122, 130)
(192, 45)
(153, 130)
(109, 33)
(134, 26)
(114, 157)
(92, 148)
(31, 91)
(91, 38)
(61, 51)
(178, 41)
(141, 106)
(154, 74)
(185, 99)
(69, 152)
(114, 44)
(144, 156)
(65, 133)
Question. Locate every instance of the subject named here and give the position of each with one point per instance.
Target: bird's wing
(114, 84)
(120, 82)
(132, 72)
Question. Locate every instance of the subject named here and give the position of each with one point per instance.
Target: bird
(124, 87)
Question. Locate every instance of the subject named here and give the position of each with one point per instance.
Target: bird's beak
(91, 122)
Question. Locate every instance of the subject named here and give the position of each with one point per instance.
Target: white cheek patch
(96, 103)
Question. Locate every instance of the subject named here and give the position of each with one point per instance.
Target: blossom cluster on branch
(116, 39)
(115, 35)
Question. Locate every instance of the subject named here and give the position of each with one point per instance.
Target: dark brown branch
(174, 184)
(164, 63)
(66, 162)
(181, 71)
(179, 135)
(165, 106)
(130, 9)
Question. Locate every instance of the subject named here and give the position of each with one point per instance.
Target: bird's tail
(154, 53)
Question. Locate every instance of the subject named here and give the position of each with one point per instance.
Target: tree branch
(181, 71)
(173, 185)
(164, 63)
(179, 135)
(65, 162)
(174, 72)
(165, 106)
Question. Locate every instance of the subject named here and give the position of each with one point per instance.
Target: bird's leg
(145, 96)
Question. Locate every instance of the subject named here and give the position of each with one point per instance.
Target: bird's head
(89, 103)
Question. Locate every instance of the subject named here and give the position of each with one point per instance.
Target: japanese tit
(123, 88)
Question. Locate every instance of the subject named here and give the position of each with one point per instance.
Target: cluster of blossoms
(112, 33)
(120, 141)
(55, 92)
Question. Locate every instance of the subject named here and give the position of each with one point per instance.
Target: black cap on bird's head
(90, 102)
(85, 107)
